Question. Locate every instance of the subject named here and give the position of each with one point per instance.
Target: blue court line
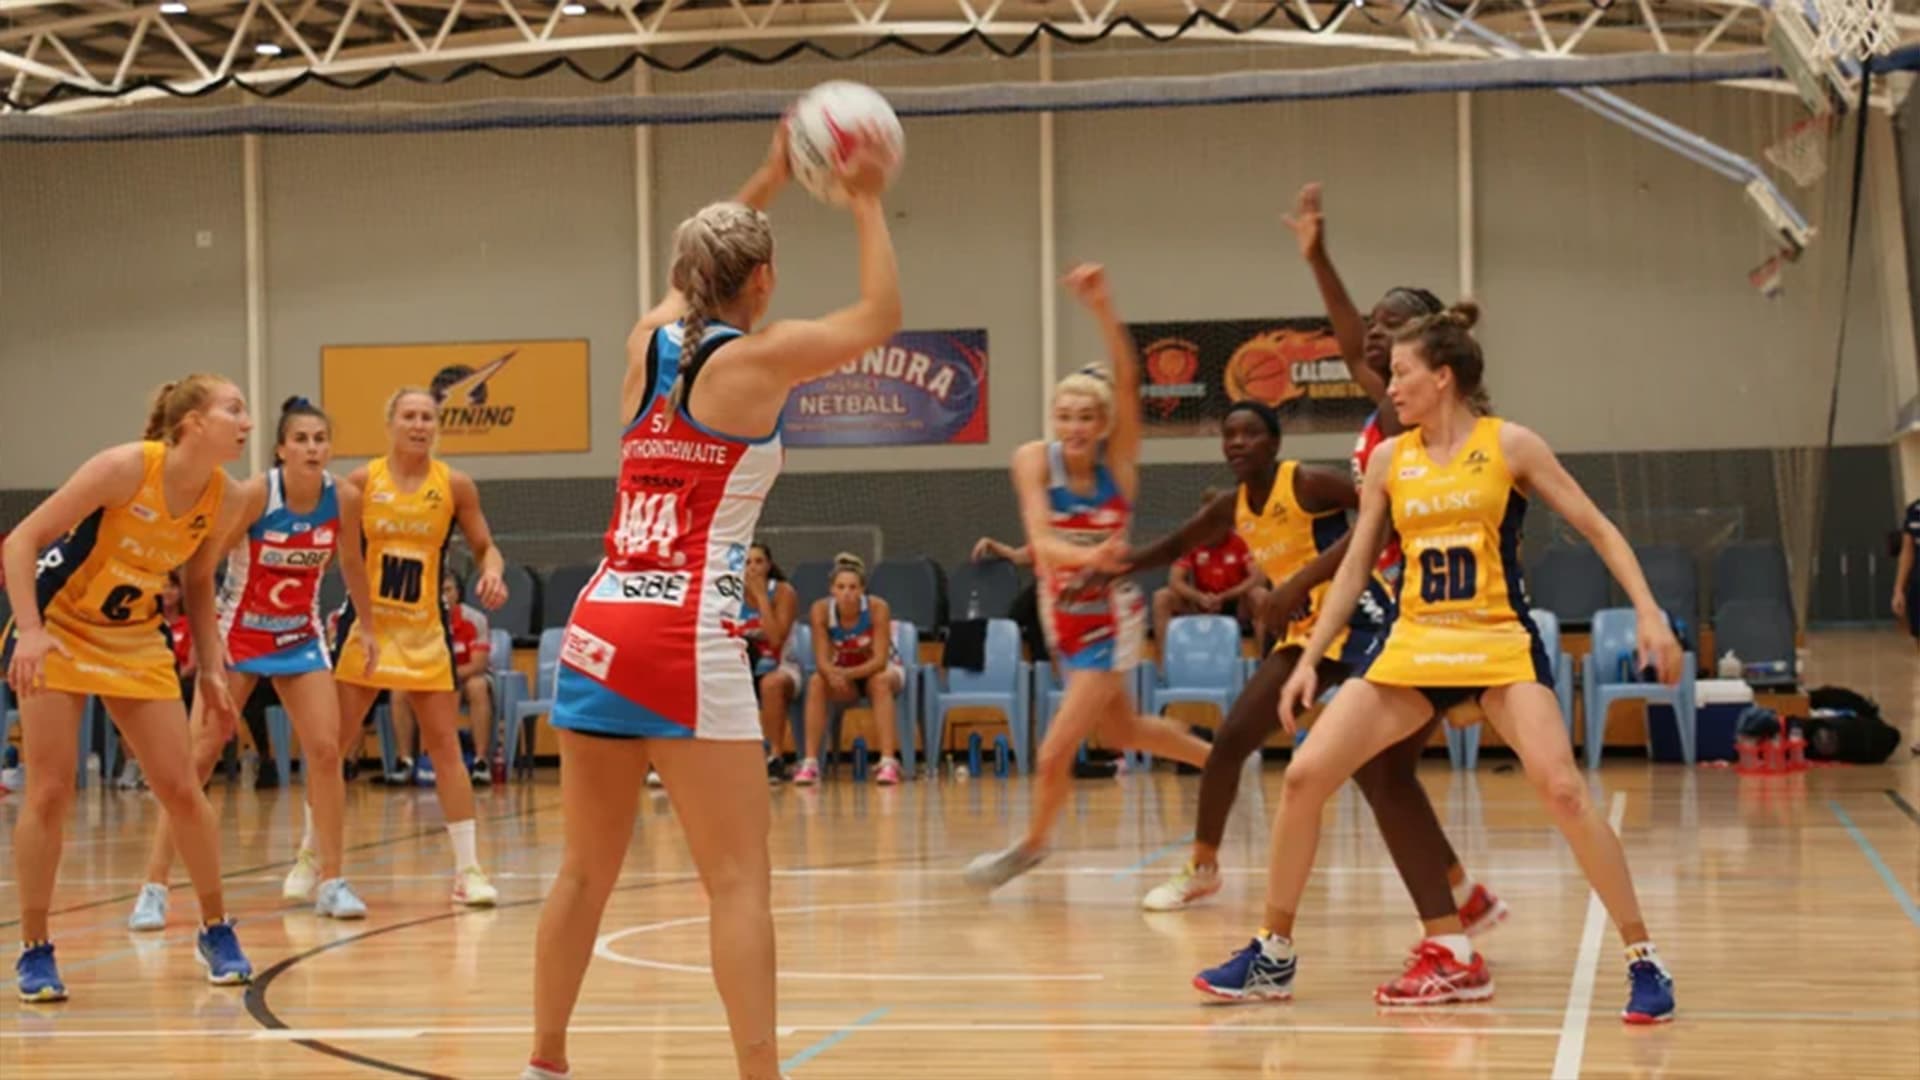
(1153, 857)
(1879, 865)
(830, 1041)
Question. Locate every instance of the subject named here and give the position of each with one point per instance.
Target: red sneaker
(1482, 912)
(1434, 977)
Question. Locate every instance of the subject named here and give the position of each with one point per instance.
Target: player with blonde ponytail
(649, 672)
(85, 572)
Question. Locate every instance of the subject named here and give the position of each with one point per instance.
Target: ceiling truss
(131, 44)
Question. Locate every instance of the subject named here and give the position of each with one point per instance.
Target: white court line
(603, 948)
(1573, 1028)
(400, 1034)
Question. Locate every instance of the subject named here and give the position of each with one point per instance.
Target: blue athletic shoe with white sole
(1252, 974)
(220, 954)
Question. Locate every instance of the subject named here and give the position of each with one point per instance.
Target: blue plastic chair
(1463, 744)
(1200, 663)
(519, 704)
(1613, 648)
(1003, 685)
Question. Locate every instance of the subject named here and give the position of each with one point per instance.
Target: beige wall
(1618, 315)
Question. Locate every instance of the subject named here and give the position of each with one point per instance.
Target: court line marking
(1153, 857)
(1879, 865)
(1905, 806)
(1573, 1028)
(603, 948)
(830, 1041)
(401, 1034)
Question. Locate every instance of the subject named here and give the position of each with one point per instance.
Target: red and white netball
(826, 125)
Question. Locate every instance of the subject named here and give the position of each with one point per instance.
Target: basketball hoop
(1856, 29)
(1802, 152)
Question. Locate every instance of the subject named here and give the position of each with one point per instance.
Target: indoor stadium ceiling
(115, 51)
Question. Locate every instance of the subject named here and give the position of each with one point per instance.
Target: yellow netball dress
(1283, 537)
(1463, 619)
(99, 589)
(406, 536)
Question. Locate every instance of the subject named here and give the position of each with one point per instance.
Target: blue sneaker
(1650, 1001)
(39, 976)
(220, 954)
(1250, 975)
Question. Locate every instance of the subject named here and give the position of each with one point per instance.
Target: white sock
(465, 848)
(1457, 944)
(1276, 947)
(1643, 950)
(306, 838)
(1462, 892)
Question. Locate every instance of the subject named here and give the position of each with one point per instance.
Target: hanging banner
(923, 386)
(1192, 372)
(496, 397)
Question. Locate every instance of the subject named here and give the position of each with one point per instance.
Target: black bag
(1846, 726)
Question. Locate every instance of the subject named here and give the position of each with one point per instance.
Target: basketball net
(1802, 152)
(1856, 29)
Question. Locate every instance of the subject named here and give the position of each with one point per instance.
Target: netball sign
(1192, 372)
(924, 386)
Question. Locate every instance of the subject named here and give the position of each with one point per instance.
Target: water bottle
(1001, 751)
(860, 759)
(1730, 666)
(973, 753)
(973, 603)
(1748, 747)
(499, 763)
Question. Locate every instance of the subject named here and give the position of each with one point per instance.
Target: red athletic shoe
(1434, 977)
(1482, 912)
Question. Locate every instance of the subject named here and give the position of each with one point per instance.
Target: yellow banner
(496, 397)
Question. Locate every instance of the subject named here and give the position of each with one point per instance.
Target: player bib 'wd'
(406, 534)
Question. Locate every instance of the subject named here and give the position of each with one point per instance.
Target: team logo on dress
(199, 522)
(1413, 472)
(463, 396)
(300, 527)
(274, 536)
(144, 513)
(642, 587)
(1477, 461)
(736, 558)
(1440, 504)
(323, 537)
(589, 653)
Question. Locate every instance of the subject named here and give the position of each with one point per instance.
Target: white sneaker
(653, 778)
(150, 910)
(472, 888)
(337, 900)
(1190, 886)
(302, 878)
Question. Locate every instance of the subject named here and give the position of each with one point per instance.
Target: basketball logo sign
(1192, 372)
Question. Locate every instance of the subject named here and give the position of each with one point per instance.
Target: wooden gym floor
(1786, 907)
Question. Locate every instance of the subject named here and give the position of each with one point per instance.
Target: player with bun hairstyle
(85, 572)
(292, 520)
(402, 643)
(1076, 498)
(853, 656)
(1455, 488)
(648, 670)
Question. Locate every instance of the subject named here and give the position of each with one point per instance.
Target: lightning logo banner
(496, 397)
